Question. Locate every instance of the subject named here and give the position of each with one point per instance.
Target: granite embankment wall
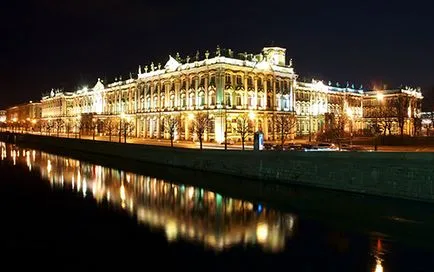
(404, 175)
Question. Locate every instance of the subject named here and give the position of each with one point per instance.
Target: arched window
(155, 102)
(228, 100)
(162, 102)
(211, 97)
(191, 100)
(238, 99)
(251, 99)
(183, 101)
(260, 100)
(172, 101)
(148, 103)
(201, 99)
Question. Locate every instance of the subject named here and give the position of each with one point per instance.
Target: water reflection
(183, 212)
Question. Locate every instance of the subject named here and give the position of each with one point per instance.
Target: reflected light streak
(170, 207)
(378, 266)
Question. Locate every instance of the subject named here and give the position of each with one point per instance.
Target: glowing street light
(252, 115)
(190, 116)
(380, 97)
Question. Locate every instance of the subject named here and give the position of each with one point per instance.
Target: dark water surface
(62, 213)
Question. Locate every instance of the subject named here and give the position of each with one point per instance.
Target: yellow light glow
(262, 232)
(378, 266)
(171, 230)
(252, 115)
(350, 112)
(48, 166)
(380, 97)
(122, 192)
(190, 116)
(33, 121)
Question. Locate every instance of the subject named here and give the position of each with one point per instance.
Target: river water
(73, 211)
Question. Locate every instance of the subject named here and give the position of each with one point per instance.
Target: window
(260, 100)
(172, 101)
(250, 82)
(228, 101)
(212, 99)
(228, 79)
(212, 81)
(239, 81)
(250, 100)
(201, 101)
(191, 100)
(162, 102)
(260, 83)
(202, 82)
(238, 99)
(148, 103)
(183, 100)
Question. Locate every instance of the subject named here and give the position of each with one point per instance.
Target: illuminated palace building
(222, 85)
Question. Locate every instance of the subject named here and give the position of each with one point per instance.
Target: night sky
(51, 44)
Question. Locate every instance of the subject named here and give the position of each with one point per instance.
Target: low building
(24, 116)
(395, 111)
(2, 116)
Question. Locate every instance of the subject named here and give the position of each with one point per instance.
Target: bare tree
(93, 125)
(285, 124)
(334, 128)
(58, 124)
(128, 129)
(110, 126)
(400, 105)
(171, 125)
(68, 128)
(200, 125)
(243, 127)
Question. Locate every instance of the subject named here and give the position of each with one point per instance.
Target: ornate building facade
(225, 87)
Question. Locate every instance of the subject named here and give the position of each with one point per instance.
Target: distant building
(24, 116)
(2, 116)
(394, 110)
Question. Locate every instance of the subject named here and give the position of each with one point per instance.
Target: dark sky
(51, 44)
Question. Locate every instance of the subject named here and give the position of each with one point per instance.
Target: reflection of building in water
(182, 211)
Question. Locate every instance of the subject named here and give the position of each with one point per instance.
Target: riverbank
(399, 175)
